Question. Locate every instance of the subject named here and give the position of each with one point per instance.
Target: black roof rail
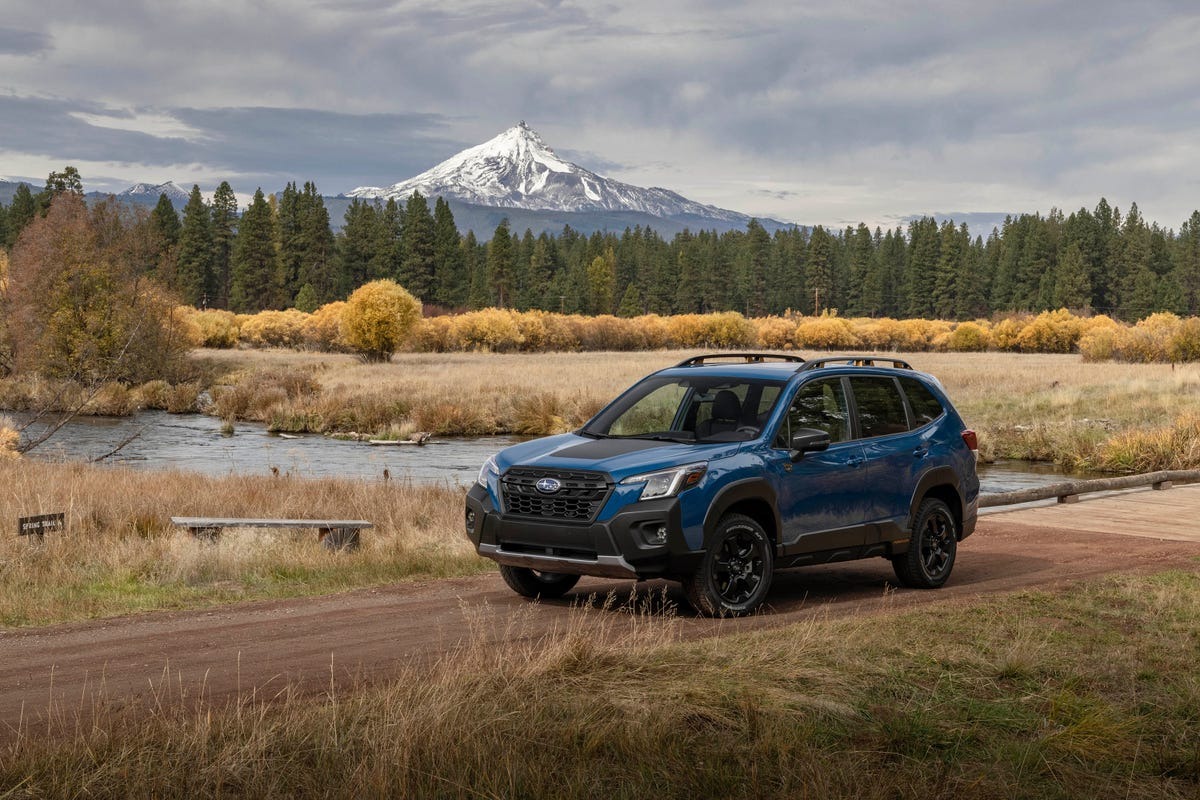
(856, 361)
(748, 358)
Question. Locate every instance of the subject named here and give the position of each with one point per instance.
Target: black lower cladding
(627, 534)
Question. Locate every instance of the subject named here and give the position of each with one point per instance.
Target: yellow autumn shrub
(775, 333)
(275, 329)
(219, 329)
(378, 318)
(322, 329)
(969, 337)
(825, 333)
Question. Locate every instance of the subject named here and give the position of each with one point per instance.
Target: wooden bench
(335, 534)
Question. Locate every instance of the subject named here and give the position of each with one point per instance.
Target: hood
(620, 458)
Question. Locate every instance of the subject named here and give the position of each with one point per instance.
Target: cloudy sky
(810, 112)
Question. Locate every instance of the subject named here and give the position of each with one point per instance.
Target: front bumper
(619, 547)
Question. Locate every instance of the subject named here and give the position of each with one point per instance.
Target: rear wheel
(531, 583)
(735, 574)
(931, 549)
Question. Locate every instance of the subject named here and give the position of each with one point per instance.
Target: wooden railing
(1069, 491)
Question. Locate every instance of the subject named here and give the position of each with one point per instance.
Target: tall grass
(121, 554)
(1090, 692)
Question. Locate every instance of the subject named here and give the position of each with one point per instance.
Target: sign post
(41, 524)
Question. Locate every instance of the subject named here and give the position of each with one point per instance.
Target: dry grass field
(121, 553)
(1088, 692)
(1104, 416)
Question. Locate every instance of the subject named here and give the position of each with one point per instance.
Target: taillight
(971, 439)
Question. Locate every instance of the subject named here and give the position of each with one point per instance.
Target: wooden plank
(1067, 488)
(239, 522)
(1173, 515)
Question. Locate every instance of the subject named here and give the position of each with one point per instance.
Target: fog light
(657, 536)
(470, 519)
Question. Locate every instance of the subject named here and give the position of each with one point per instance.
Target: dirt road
(262, 647)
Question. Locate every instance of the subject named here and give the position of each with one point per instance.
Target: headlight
(489, 468)
(668, 482)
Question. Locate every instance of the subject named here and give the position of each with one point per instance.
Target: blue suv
(726, 467)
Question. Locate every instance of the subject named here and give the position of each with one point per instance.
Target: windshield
(690, 409)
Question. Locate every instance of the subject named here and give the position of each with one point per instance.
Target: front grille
(579, 500)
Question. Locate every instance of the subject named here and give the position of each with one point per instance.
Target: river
(196, 443)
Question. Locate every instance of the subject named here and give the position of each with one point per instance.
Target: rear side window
(925, 407)
(880, 407)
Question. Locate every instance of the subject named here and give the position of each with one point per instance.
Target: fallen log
(1069, 491)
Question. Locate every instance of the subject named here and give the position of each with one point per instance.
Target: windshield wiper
(662, 437)
(592, 434)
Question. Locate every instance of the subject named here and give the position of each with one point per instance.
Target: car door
(895, 455)
(821, 496)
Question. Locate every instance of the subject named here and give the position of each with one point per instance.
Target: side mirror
(808, 440)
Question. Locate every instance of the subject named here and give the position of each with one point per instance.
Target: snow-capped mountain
(150, 191)
(517, 170)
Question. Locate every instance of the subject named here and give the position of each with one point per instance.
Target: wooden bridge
(1148, 512)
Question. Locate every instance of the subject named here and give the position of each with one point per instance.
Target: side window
(880, 407)
(821, 405)
(925, 407)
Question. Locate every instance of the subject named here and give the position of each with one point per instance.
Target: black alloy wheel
(932, 549)
(735, 574)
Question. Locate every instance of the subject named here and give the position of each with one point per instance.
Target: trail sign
(40, 525)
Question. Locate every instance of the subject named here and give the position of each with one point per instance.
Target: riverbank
(1056, 408)
(120, 553)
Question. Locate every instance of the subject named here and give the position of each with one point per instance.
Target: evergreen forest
(281, 252)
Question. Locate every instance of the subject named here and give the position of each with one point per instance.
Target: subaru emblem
(548, 485)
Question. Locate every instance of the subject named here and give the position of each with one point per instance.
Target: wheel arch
(942, 484)
(753, 497)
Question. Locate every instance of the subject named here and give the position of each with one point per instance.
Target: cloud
(808, 111)
(263, 146)
(17, 42)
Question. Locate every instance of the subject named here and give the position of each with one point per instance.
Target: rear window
(880, 408)
(925, 407)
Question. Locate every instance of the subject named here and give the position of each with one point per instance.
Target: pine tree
(289, 244)
(193, 263)
(224, 226)
(1187, 263)
(357, 246)
(500, 265)
(451, 282)
(951, 264)
(973, 287)
(255, 269)
(754, 270)
(819, 271)
(602, 282)
(3, 224)
(417, 265)
(318, 264)
(1072, 287)
(166, 223)
(480, 294)
(921, 267)
(387, 261)
(631, 302)
(20, 213)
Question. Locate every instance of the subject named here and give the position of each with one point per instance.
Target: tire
(735, 573)
(530, 583)
(932, 548)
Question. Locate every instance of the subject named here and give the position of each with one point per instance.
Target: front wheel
(735, 574)
(531, 583)
(931, 549)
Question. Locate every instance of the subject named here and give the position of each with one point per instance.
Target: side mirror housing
(808, 440)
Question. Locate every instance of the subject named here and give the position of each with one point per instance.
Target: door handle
(920, 452)
(855, 461)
